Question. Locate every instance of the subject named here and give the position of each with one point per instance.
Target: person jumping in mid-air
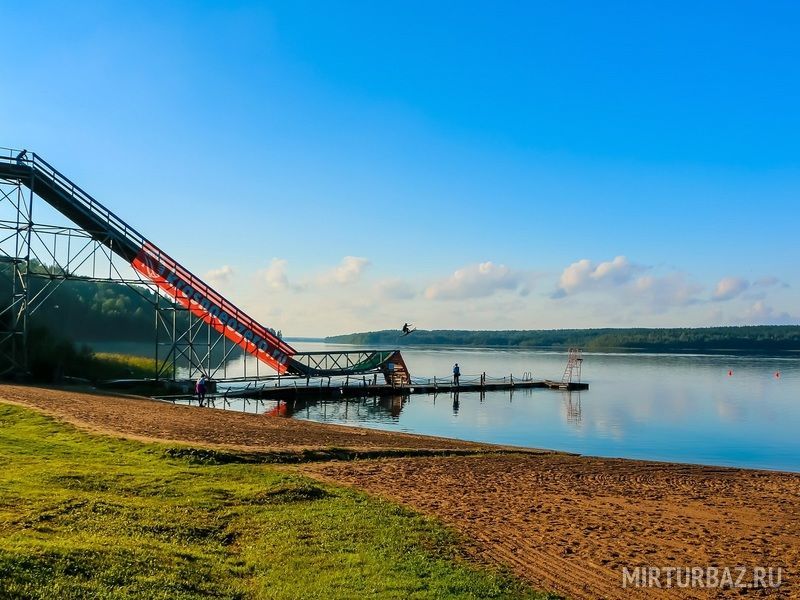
(407, 329)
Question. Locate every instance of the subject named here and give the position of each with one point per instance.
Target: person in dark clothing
(200, 389)
(456, 374)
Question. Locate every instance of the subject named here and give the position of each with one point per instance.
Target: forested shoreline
(72, 313)
(740, 339)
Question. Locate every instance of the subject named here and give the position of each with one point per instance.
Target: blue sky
(349, 166)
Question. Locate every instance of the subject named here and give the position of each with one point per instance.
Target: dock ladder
(573, 367)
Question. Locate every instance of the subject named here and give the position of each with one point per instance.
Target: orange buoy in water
(730, 372)
(777, 374)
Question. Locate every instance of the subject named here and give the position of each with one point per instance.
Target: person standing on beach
(200, 389)
(456, 374)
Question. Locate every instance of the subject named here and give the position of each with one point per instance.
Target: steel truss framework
(41, 248)
(37, 258)
(14, 238)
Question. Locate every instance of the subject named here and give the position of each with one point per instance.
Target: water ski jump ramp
(155, 268)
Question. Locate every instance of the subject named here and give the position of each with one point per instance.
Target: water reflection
(662, 407)
(381, 410)
(572, 407)
(348, 410)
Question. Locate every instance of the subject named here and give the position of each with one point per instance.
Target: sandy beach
(562, 522)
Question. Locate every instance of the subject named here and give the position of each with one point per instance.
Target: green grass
(110, 365)
(84, 516)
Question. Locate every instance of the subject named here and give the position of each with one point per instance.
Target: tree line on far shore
(89, 311)
(755, 339)
(70, 313)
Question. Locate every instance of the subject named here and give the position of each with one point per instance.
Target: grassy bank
(110, 365)
(85, 516)
(52, 357)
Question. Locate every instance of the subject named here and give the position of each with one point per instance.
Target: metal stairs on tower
(179, 285)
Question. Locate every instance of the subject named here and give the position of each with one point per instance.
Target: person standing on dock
(200, 389)
(456, 374)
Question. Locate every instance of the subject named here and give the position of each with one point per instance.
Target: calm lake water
(684, 408)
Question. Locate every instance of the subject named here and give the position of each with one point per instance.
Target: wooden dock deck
(357, 389)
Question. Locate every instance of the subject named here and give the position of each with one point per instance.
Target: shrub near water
(93, 517)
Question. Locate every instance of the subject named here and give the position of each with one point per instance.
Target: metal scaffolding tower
(196, 330)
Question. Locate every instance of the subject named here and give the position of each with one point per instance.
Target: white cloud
(584, 275)
(395, 289)
(616, 271)
(730, 287)
(347, 271)
(475, 281)
(275, 274)
(769, 282)
(221, 275)
(667, 291)
(628, 284)
(574, 277)
(490, 295)
(759, 313)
